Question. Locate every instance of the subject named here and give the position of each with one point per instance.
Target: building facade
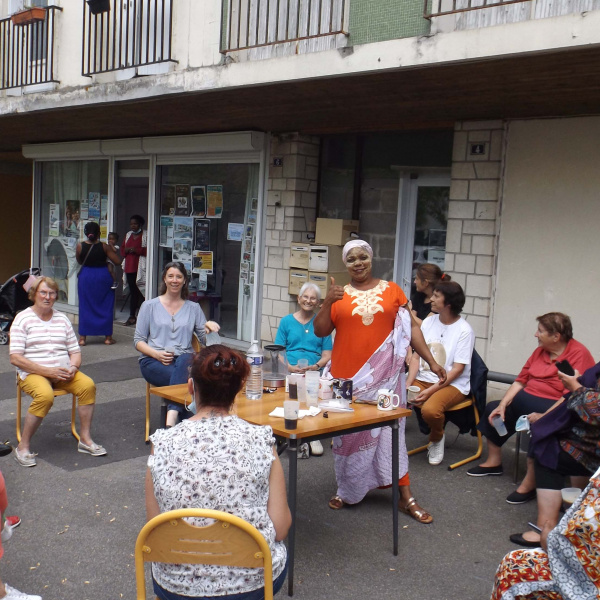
(458, 134)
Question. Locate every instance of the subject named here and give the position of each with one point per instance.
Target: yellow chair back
(229, 541)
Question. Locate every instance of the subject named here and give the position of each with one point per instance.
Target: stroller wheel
(3, 338)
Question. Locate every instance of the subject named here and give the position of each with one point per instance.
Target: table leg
(292, 480)
(395, 478)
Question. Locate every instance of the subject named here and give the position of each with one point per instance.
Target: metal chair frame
(230, 541)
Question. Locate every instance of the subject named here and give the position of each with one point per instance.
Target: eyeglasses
(45, 294)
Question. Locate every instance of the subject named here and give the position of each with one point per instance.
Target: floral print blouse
(220, 463)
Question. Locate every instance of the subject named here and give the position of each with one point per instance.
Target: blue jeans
(159, 375)
(258, 594)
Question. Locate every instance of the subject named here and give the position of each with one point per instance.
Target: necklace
(305, 325)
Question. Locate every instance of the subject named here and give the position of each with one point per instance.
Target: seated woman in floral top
(216, 460)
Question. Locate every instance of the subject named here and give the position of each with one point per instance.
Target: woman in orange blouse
(373, 332)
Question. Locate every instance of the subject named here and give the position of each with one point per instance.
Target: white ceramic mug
(387, 400)
(412, 391)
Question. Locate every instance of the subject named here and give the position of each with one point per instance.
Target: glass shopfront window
(72, 193)
(208, 218)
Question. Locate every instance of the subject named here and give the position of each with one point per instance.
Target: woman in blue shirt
(297, 334)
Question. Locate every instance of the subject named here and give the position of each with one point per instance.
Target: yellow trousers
(42, 391)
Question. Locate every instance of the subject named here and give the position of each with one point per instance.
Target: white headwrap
(356, 244)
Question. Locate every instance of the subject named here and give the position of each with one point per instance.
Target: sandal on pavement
(110, 341)
(93, 449)
(82, 341)
(130, 321)
(336, 503)
(412, 510)
(517, 538)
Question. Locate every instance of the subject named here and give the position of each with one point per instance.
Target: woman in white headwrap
(373, 331)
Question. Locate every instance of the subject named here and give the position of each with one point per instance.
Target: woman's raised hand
(335, 293)
(210, 326)
(569, 381)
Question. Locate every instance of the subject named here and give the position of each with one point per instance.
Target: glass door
(132, 179)
(422, 223)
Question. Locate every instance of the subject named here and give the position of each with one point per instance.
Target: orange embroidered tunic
(362, 319)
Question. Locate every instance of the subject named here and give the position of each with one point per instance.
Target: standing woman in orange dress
(374, 329)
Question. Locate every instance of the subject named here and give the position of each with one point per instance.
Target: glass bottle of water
(254, 384)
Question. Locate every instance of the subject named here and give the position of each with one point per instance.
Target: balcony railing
(133, 33)
(27, 51)
(440, 8)
(248, 24)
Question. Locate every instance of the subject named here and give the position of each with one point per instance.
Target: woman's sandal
(336, 503)
(109, 341)
(130, 321)
(82, 341)
(411, 509)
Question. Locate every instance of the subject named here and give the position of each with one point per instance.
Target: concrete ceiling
(564, 83)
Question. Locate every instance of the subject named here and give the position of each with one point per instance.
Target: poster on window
(183, 228)
(84, 210)
(166, 232)
(235, 232)
(201, 235)
(167, 204)
(54, 220)
(182, 197)
(94, 206)
(198, 201)
(182, 250)
(214, 199)
(72, 219)
(203, 261)
(188, 267)
(103, 210)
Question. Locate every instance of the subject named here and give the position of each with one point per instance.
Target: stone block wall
(473, 218)
(291, 214)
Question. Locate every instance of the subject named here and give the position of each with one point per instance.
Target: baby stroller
(13, 299)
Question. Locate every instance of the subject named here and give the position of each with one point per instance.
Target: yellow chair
(229, 541)
(196, 345)
(470, 401)
(56, 394)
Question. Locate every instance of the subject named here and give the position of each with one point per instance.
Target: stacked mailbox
(321, 261)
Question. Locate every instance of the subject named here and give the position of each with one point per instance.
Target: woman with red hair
(218, 461)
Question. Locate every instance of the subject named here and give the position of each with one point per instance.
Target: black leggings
(135, 296)
(554, 479)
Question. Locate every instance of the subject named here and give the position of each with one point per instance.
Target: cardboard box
(323, 280)
(299, 255)
(325, 258)
(334, 231)
(298, 277)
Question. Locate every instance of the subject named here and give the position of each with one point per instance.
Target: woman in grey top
(164, 329)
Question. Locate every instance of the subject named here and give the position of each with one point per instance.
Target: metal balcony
(133, 34)
(27, 51)
(248, 24)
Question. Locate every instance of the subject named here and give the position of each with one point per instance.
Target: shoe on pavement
(316, 448)
(13, 521)
(93, 449)
(518, 498)
(435, 452)
(27, 459)
(303, 451)
(12, 594)
(483, 471)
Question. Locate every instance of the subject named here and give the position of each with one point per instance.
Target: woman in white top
(164, 330)
(218, 461)
(451, 340)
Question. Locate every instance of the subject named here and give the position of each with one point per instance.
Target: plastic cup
(290, 413)
(498, 424)
(569, 495)
(301, 387)
(302, 363)
(293, 386)
(312, 387)
(412, 391)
